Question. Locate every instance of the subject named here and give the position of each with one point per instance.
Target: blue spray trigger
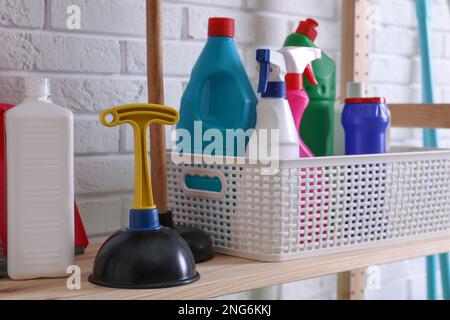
(263, 57)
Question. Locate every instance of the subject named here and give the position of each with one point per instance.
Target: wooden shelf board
(420, 115)
(225, 274)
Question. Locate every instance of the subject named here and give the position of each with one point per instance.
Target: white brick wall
(104, 64)
(21, 13)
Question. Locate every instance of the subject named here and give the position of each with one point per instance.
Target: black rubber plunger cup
(144, 256)
(197, 239)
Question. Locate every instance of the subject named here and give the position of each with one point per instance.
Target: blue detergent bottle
(219, 96)
(365, 121)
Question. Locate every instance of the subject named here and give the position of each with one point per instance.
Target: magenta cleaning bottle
(299, 101)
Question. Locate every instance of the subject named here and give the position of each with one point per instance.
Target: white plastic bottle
(40, 183)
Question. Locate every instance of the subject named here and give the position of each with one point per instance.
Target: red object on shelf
(376, 100)
(221, 27)
(3, 215)
(308, 28)
(81, 239)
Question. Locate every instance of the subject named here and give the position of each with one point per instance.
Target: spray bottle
(319, 116)
(295, 94)
(273, 110)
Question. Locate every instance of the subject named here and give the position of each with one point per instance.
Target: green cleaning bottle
(317, 127)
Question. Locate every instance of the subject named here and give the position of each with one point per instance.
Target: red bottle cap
(308, 28)
(294, 81)
(378, 100)
(221, 27)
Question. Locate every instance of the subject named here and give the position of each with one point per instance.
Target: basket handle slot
(203, 183)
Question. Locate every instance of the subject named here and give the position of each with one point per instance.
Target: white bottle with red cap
(40, 185)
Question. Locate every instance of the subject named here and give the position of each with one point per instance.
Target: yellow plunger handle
(140, 116)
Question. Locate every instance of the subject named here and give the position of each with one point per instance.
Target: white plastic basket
(316, 206)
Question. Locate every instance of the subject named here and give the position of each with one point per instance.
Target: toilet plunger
(145, 255)
(196, 238)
